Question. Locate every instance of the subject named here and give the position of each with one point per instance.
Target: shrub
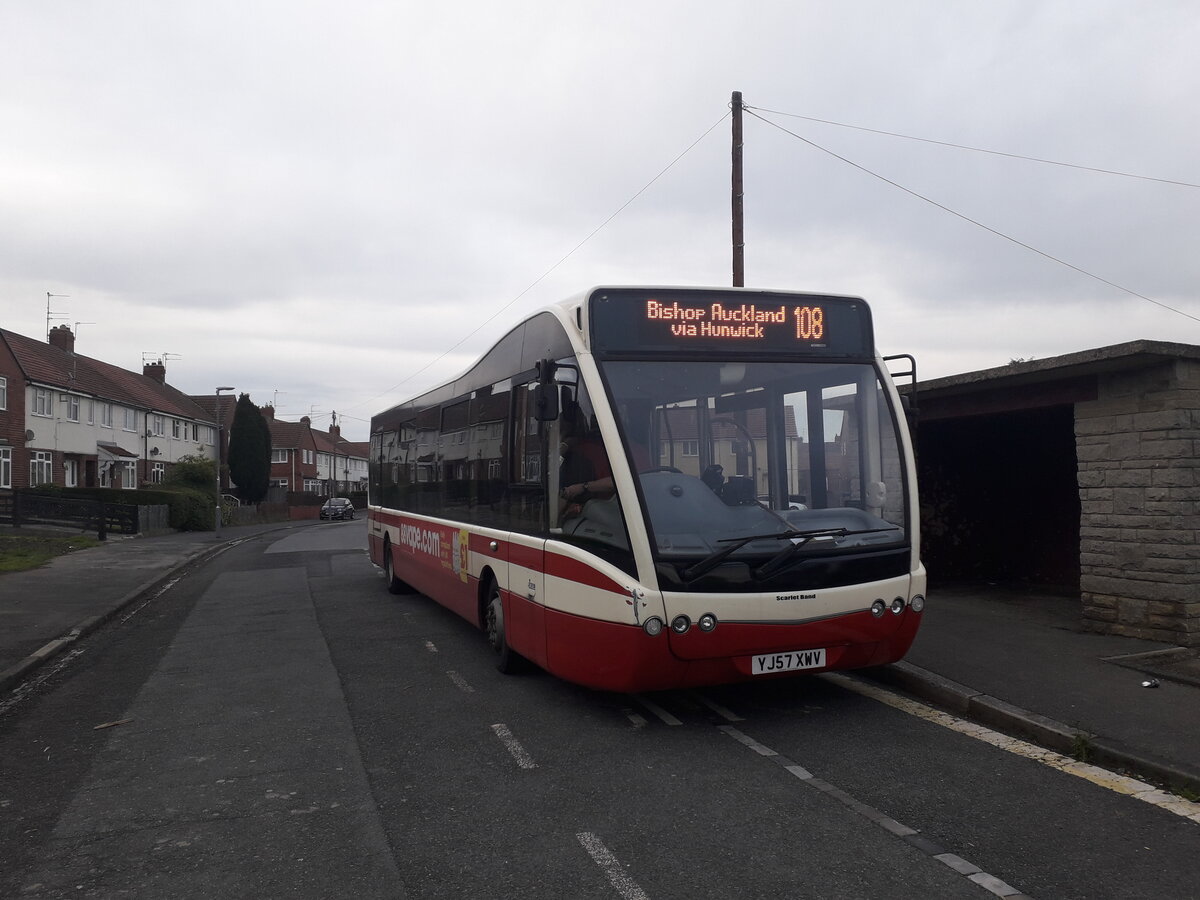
(191, 509)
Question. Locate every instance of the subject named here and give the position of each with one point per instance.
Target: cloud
(262, 189)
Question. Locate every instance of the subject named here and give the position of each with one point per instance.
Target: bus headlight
(707, 622)
(897, 606)
(680, 624)
(877, 608)
(917, 603)
(653, 626)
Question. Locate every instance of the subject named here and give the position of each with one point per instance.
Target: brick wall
(12, 419)
(1139, 491)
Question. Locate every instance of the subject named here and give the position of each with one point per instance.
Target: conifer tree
(249, 451)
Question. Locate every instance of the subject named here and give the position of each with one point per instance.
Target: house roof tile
(53, 367)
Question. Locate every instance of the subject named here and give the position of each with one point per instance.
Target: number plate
(769, 663)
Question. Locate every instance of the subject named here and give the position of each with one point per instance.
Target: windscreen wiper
(710, 562)
(781, 559)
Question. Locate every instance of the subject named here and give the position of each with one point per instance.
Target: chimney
(305, 420)
(155, 370)
(335, 431)
(268, 412)
(62, 338)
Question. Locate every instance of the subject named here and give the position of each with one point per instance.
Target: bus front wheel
(394, 584)
(507, 659)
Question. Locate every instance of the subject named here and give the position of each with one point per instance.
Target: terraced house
(71, 420)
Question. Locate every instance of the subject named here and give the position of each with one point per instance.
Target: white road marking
(460, 682)
(720, 710)
(1121, 784)
(162, 590)
(909, 835)
(603, 857)
(25, 689)
(637, 720)
(665, 716)
(520, 754)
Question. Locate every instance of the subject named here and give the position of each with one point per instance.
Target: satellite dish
(29, 435)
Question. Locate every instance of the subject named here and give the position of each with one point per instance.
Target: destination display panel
(631, 321)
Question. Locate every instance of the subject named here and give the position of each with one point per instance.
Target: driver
(585, 471)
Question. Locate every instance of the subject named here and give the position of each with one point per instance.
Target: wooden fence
(18, 508)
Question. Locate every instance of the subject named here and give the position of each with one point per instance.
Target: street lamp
(217, 495)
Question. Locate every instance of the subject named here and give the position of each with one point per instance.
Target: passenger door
(525, 620)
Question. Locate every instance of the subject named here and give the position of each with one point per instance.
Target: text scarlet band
(744, 321)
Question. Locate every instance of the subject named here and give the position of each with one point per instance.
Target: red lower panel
(625, 659)
(748, 638)
(525, 627)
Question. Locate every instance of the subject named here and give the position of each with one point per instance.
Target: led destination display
(627, 321)
(744, 322)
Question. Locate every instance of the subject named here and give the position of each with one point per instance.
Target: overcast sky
(313, 202)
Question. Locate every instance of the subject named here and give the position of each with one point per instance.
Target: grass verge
(28, 551)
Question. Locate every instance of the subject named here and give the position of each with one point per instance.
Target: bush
(193, 472)
(191, 510)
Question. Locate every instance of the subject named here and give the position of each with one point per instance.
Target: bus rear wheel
(508, 660)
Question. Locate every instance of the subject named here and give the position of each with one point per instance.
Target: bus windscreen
(640, 320)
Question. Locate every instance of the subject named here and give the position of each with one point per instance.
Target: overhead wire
(966, 218)
(548, 271)
(1037, 159)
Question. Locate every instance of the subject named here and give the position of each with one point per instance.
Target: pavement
(1016, 660)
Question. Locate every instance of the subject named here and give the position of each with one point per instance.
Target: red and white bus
(646, 488)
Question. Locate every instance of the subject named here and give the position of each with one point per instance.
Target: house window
(72, 408)
(106, 469)
(91, 408)
(195, 432)
(42, 402)
(308, 457)
(278, 456)
(691, 448)
(280, 482)
(176, 425)
(5, 467)
(106, 415)
(41, 468)
(129, 477)
(130, 420)
(158, 472)
(71, 473)
(158, 426)
(3, 392)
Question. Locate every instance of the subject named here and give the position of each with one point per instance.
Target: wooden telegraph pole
(739, 241)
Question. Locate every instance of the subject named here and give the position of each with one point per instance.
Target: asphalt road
(278, 725)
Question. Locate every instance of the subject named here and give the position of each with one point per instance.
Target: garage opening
(1000, 498)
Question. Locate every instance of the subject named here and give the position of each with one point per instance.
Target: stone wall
(1139, 491)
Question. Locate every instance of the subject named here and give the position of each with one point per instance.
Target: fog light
(918, 603)
(653, 626)
(680, 624)
(707, 622)
(897, 606)
(877, 608)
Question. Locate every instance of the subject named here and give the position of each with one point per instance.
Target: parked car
(337, 508)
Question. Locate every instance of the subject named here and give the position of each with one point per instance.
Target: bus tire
(508, 660)
(394, 584)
